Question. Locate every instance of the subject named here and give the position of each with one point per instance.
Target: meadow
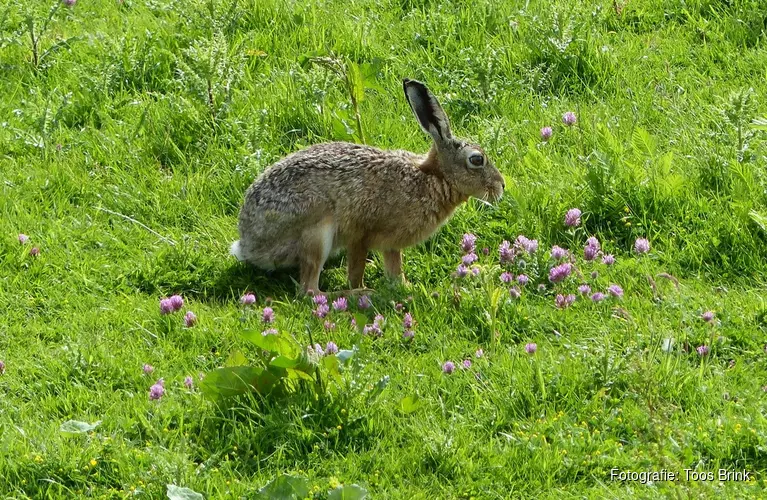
(130, 130)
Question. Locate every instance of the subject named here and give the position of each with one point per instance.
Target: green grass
(116, 163)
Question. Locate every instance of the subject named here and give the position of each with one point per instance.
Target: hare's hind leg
(356, 256)
(316, 244)
(393, 265)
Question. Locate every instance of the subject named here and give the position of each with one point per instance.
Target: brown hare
(339, 195)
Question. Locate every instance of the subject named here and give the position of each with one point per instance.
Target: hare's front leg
(316, 244)
(393, 265)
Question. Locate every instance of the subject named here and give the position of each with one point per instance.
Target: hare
(340, 195)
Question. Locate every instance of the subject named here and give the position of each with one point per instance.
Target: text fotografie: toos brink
(721, 475)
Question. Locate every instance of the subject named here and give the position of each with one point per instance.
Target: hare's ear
(430, 114)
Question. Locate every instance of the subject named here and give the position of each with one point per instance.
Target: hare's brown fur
(340, 195)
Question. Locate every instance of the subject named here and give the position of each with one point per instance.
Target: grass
(127, 140)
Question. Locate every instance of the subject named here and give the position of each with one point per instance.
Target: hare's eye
(476, 160)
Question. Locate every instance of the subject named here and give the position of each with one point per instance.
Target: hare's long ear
(426, 108)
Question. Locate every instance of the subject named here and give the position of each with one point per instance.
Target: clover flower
(340, 304)
(573, 217)
(267, 315)
(558, 253)
(546, 133)
(364, 302)
(560, 272)
(505, 251)
(331, 348)
(176, 302)
(157, 390)
(563, 301)
(467, 242)
(190, 319)
(641, 245)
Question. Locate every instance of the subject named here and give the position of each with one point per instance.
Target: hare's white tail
(236, 250)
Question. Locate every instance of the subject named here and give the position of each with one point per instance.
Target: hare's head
(463, 164)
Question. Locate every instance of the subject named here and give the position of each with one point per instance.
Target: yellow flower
(333, 482)
(93, 462)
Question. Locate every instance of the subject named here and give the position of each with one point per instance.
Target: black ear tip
(415, 86)
(407, 82)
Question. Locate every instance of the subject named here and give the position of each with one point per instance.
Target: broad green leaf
(341, 128)
(330, 363)
(77, 427)
(58, 46)
(285, 362)
(643, 142)
(179, 493)
(304, 364)
(665, 162)
(230, 381)
(608, 140)
(285, 487)
(306, 59)
(378, 389)
(348, 492)
(410, 404)
(344, 356)
(236, 380)
(759, 123)
(496, 296)
(759, 219)
(361, 321)
(236, 358)
(331, 367)
(356, 85)
(371, 72)
(279, 344)
(299, 374)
